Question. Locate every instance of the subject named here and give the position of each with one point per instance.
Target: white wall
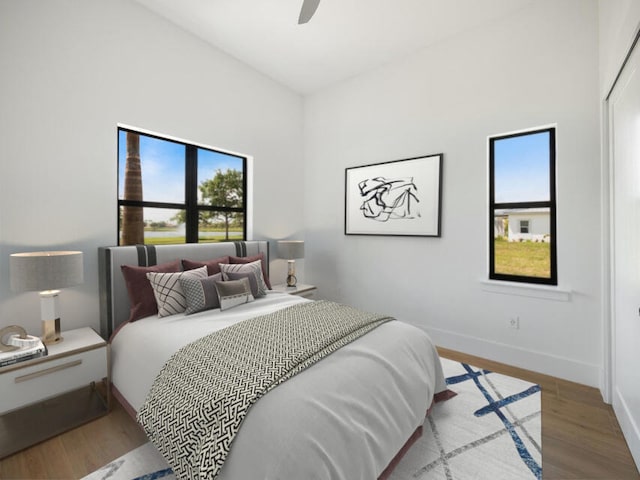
(71, 70)
(537, 67)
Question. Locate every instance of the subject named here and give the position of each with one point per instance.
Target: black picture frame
(395, 198)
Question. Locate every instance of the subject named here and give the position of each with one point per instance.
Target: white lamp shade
(38, 271)
(291, 249)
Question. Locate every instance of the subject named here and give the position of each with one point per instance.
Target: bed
(351, 415)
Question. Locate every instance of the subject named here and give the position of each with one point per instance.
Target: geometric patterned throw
(490, 430)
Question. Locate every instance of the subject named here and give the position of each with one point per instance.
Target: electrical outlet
(514, 322)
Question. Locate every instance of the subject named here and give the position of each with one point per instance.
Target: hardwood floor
(581, 438)
(77, 452)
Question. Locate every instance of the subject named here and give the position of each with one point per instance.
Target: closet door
(624, 136)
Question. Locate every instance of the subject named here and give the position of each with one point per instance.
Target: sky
(163, 177)
(522, 168)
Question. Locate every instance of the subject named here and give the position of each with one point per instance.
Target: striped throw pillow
(254, 268)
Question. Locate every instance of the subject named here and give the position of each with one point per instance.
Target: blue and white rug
(490, 430)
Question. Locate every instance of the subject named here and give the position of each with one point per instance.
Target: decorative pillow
(169, 294)
(201, 293)
(141, 298)
(253, 281)
(252, 268)
(233, 293)
(212, 265)
(253, 258)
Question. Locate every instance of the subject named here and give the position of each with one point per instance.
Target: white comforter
(343, 418)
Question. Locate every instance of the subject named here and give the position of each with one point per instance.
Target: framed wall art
(401, 197)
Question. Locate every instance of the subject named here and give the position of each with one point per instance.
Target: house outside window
(522, 207)
(170, 191)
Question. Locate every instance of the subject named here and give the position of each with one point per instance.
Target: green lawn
(530, 259)
(233, 236)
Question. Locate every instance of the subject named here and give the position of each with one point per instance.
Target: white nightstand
(302, 290)
(46, 396)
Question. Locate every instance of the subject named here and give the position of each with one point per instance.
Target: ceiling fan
(309, 7)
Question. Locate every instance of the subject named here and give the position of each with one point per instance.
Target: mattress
(343, 418)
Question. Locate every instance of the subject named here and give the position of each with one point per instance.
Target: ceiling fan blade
(309, 7)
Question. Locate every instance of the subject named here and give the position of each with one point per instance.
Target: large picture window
(176, 192)
(522, 207)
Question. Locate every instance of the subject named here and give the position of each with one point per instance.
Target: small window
(171, 191)
(522, 207)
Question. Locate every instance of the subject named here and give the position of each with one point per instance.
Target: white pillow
(233, 293)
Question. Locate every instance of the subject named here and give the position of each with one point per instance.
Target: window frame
(551, 204)
(190, 205)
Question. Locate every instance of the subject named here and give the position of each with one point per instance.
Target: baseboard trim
(630, 428)
(540, 362)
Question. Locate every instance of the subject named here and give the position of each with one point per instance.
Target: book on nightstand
(23, 354)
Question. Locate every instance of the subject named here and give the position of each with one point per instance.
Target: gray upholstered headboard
(114, 299)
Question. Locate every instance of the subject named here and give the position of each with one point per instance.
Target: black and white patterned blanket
(201, 396)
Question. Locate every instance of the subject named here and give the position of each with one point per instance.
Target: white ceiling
(343, 39)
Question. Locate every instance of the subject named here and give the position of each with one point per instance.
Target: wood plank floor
(581, 438)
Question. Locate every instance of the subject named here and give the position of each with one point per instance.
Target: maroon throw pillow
(212, 265)
(253, 258)
(141, 299)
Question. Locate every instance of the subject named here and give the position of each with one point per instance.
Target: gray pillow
(252, 267)
(201, 293)
(253, 281)
(232, 293)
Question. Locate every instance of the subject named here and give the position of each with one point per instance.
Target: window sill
(527, 290)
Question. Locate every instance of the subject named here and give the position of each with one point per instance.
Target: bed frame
(114, 299)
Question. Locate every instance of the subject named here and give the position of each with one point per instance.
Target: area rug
(490, 429)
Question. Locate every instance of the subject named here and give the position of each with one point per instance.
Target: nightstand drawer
(47, 379)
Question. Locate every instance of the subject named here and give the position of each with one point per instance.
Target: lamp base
(51, 332)
(291, 273)
(50, 317)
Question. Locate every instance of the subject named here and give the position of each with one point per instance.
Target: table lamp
(291, 249)
(46, 272)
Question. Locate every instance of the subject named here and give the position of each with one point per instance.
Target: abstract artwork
(400, 197)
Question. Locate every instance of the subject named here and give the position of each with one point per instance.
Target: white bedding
(343, 418)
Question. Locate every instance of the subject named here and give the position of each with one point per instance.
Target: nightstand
(302, 290)
(46, 396)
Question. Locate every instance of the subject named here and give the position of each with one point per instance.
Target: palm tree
(132, 217)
